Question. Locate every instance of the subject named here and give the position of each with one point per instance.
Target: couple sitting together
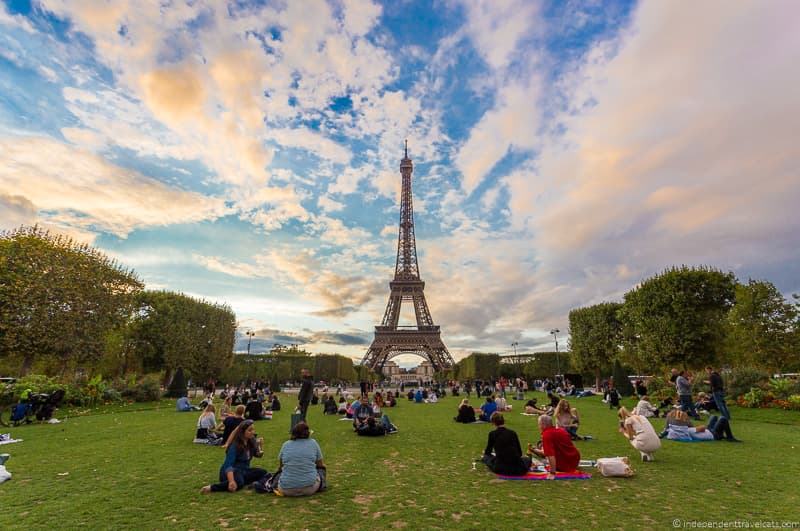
(503, 453)
(365, 419)
(301, 471)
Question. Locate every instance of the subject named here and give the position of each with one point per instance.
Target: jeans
(687, 405)
(719, 400)
(242, 478)
(720, 427)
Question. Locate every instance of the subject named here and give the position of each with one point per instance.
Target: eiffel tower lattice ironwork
(424, 339)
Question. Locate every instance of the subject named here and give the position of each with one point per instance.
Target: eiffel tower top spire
(407, 267)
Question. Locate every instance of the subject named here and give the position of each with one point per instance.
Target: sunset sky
(248, 152)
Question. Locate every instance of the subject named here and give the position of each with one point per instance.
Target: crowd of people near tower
(301, 470)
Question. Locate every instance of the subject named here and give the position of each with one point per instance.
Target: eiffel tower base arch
(391, 343)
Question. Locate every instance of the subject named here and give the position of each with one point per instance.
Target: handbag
(296, 418)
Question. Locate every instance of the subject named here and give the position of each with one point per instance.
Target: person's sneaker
(587, 437)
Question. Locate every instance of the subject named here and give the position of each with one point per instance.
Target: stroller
(40, 406)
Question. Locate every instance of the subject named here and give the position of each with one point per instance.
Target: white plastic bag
(5, 475)
(615, 467)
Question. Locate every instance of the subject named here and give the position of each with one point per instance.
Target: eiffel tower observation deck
(391, 339)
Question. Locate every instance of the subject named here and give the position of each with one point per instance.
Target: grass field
(119, 468)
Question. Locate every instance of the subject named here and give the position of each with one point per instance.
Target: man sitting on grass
(488, 408)
(503, 453)
(557, 448)
(373, 428)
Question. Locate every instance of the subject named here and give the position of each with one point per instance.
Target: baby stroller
(39, 406)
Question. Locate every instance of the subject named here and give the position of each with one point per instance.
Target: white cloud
(79, 189)
(496, 26)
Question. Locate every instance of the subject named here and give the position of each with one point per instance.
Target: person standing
(683, 384)
(718, 391)
(306, 391)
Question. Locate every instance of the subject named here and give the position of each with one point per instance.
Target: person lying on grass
(532, 409)
(503, 453)
(638, 430)
(465, 412)
(300, 459)
(680, 428)
(235, 471)
(557, 448)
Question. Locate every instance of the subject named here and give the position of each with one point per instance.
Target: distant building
(422, 374)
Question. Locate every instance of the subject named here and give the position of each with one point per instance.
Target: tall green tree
(678, 317)
(59, 299)
(595, 337)
(762, 327)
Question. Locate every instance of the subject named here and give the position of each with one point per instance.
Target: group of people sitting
(503, 452)
(368, 417)
(467, 414)
(213, 432)
(301, 470)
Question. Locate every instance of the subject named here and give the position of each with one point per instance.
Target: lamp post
(514, 344)
(250, 335)
(555, 332)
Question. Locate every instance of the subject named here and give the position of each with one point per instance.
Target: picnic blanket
(9, 441)
(537, 475)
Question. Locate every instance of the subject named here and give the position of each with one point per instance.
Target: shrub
(741, 380)
(659, 388)
(621, 381)
(111, 395)
(75, 395)
(37, 383)
(148, 389)
(781, 387)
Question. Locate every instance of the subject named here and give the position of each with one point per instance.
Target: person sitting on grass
(433, 398)
(705, 403)
(274, 403)
(502, 405)
(377, 403)
(557, 448)
(645, 408)
(568, 419)
(503, 453)
(329, 406)
(254, 410)
(207, 425)
(184, 405)
(226, 408)
(373, 428)
(362, 412)
(391, 401)
(235, 471)
(231, 422)
(488, 408)
(418, 397)
(638, 430)
(300, 462)
(554, 400)
(466, 414)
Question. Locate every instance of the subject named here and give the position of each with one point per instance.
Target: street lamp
(514, 344)
(250, 335)
(555, 332)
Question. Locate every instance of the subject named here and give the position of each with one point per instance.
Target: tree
(762, 327)
(59, 300)
(678, 317)
(595, 337)
(177, 387)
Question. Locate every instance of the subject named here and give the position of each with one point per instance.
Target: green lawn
(120, 468)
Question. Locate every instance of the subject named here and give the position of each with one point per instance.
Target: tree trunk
(27, 363)
(597, 379)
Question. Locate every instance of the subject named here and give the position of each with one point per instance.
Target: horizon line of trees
(67, 308)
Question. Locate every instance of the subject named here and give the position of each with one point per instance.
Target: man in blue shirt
(488, 408)
(183, 404)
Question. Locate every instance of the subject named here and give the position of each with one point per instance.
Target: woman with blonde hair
(638, 430)
(567, 418)
(227, 408)
(466, 413)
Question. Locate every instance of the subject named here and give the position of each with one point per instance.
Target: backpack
(18, 414)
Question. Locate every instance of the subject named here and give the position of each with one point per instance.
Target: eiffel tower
(424, 339)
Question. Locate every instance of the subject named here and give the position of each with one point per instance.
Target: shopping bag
(296, 417)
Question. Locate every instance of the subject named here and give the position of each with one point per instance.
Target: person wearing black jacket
(507, 458)
(718, 392)
(306, 391)
(466, 413)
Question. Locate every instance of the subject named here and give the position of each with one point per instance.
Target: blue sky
(248, 152)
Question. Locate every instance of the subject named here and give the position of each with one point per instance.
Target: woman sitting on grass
(391, 401)
(532, 409)
(300, 458)
(638, 430)
(329, 406)
(377, 403)
(207, 425)
(466, 414)
(503, 453)
(568, 419)
(235, 471)
(645, 408)
(226, 408)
